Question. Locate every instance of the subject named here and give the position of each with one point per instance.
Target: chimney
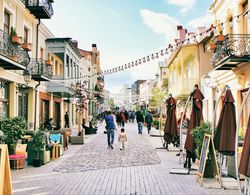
(94, 48)
(75, 43)
(182, 32)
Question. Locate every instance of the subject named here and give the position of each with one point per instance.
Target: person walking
(110, 127)
(123, 119)
(122, 138)
(149, 120)
(66, 119)
(140, 121)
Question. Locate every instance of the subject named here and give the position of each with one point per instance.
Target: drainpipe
(37, 30)
(36, 103)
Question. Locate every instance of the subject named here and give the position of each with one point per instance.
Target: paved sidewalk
(87, 169)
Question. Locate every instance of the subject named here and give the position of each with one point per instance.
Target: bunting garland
(171, 47)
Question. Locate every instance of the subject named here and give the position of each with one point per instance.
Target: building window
(6, 22)
(26, 35)
(4, 99)
(246, 19)
(23, 103)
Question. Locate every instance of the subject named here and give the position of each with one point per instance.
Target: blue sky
(125, 30)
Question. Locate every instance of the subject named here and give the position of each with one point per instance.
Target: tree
(111, 103)
(164, 84)
(158, 97)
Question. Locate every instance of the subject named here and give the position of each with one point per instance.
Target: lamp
(207, 79)
(27, 76)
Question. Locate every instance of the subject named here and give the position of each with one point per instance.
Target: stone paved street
(95, 169)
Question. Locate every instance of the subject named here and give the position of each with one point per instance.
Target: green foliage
(158, 97)
(38, 142)
(164, 84)
(156, 124)
(13, 31)
(13, 129)
(198, 135)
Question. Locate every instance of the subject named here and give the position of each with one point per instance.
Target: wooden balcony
(12, 56)
(59, 88)
(233, 51)
(41, 9)
(39, 70)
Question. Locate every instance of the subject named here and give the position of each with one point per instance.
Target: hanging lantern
(162, 53)
(194, 39)
(171, 49)
(152, 56)
(144, 60)
(139, 61)
(125, 66)
(148, 59)
(222, 27)
(136, 63)
(166, 51)
(132, 64)
(237, 19)
(157, 55)
(128, 65)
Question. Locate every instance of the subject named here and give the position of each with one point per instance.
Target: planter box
(212, 46)
(48, 62)
(220, 38)
(16, 40)
(26, 46)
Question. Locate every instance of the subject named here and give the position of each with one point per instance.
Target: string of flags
(193, 38)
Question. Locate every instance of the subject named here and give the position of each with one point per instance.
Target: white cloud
(182, 3)
(202, 21)
(160, 23)
(186, 5)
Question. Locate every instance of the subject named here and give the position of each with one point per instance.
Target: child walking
(122, 138)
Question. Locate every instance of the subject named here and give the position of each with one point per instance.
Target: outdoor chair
(77, 139)
(17, 160)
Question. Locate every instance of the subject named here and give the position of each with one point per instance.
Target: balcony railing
(235, 49)
(20, 58)
(40, 8)
(39, 70)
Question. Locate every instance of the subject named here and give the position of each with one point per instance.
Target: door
(57, 115)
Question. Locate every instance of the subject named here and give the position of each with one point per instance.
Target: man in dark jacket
(140, 121)
(66, 119)
(110, 127)
(149, 120)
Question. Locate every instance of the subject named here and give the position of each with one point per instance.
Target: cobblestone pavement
(95, 155)
(115, 178)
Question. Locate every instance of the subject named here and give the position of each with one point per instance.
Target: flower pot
(26, 46)
(220, 38)
(16, 40)
(37, 162)
(212, 46)
(48, 62)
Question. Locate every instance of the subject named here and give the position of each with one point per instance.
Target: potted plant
(198, 135)
(212, 45)
(220, 38)
(14, 38)
(26, 46)
(38, 144)
(48, 62)
(13, 129)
